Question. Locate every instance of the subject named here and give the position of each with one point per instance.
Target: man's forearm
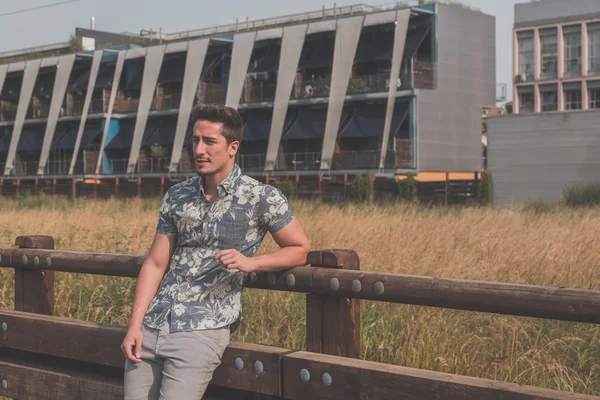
(284, 258)
(147, 285)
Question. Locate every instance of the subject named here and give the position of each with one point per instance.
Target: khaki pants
(175, 366)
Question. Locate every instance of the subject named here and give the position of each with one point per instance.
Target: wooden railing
(47, 357)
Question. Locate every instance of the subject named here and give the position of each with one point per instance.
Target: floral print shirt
(196, 292)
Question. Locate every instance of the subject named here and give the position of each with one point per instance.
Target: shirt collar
(228, 183)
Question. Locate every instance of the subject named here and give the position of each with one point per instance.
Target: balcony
(211, 93)
(8, 111)
(126, 105)
(25, 168)
(419, 74)
(153, 165)
(166, 101)
(306, 161)
(38, 109)
(76, 107)
(259, 91)
(251, 162)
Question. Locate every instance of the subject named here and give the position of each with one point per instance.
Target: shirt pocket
(233, 228)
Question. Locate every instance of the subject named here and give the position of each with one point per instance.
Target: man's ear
(233, 148)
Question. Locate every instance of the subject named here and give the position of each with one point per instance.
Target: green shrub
(408, 188)
(538, 206)
(582, 195)
(360, 188)
(484, 188)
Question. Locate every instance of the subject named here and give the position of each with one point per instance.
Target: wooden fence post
(333, 324)
(34, 290)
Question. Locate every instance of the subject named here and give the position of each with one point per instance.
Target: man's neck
(210, 182)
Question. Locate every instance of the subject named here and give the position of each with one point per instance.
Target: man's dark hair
(229, 117)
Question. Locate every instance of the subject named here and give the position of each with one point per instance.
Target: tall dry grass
(557, 247)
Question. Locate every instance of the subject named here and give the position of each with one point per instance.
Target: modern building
(330, 93)
(552, 139)
(556, 58)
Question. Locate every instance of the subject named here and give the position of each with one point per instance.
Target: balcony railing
(96, 106)
(211, 93)
(252, 162)
(259, 91)
(26, 168)
(154, 165)
(126, 105)
(166, 101)
(305, 161)
(38, 110)
(419, 74)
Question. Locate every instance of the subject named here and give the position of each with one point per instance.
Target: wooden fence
(47, 357)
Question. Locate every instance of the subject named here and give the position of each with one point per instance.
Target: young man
(208, 232)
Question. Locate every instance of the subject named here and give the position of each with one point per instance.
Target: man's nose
(200, 148)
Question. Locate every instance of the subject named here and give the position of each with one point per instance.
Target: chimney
(93, 23)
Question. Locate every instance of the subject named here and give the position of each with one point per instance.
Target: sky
(55, 24)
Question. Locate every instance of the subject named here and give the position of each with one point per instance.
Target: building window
(594, 96)
(594, 49)
(572, 36)
(549, 47)
(525, 99)
(526, 56)
(572, 92)
(549, 97)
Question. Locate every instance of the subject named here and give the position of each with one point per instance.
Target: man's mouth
(201, 161)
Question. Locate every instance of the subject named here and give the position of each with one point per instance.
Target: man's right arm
(151, 274)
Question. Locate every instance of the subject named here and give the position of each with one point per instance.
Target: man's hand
(233, 259)
(133, 338)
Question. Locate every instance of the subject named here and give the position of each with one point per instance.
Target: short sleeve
(166, 223)
(275, 210)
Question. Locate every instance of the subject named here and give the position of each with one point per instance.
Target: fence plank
(578, 305)
(34, 290)
(100, 344)
(356, 379)
(26, 382)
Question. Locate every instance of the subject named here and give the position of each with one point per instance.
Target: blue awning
(368, 121)
(32, 137)
(309, 124)
(257, 125)
(160, 131)
(124, 137)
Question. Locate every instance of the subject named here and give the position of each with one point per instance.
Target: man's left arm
(294, 247)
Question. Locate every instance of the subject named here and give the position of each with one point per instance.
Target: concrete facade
(449, 118)
(536, 156)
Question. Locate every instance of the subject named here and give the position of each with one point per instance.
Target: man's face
(211, 150)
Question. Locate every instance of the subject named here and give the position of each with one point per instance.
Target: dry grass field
(558, 247)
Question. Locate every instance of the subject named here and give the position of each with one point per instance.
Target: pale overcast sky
(52, 25)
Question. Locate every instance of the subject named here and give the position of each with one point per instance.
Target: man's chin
(204, 170)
